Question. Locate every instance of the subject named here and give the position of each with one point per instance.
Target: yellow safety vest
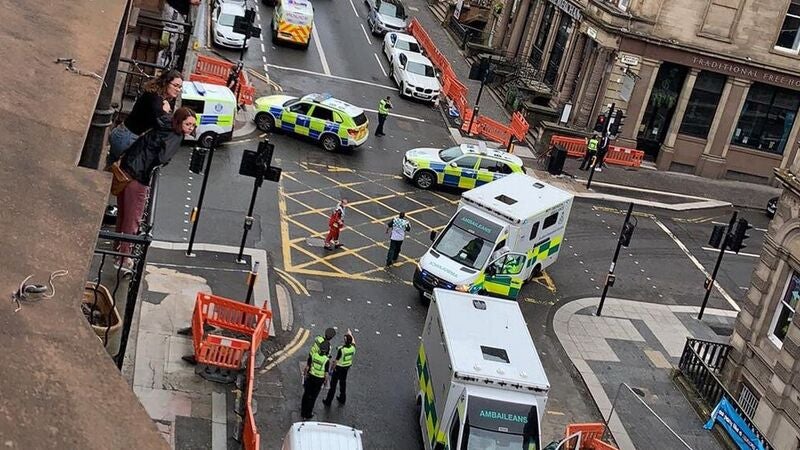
(318, 365)
(593, 145)
(347, 356)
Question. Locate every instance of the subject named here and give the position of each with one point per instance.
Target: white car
(415, 76)
(222, 26)
(399, 42)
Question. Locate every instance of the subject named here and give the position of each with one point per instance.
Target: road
(350, 288)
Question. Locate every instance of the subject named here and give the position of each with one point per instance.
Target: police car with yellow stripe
(465, 166)
(503, 234)
(333, 123)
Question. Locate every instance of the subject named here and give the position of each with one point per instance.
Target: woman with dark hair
(154, 149)
(157, 99)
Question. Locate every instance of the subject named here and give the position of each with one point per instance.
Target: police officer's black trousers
(381, 119)
(339, 377)
(311, 390)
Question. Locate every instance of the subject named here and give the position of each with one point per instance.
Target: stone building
(763, 368)
(710, 87)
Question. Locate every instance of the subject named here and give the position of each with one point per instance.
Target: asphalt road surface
(350, 288)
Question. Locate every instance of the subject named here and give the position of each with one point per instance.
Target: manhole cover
(315, 242)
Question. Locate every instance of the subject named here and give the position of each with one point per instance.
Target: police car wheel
(207, 139)
(424, 179)
(329, 142)
(265, 122)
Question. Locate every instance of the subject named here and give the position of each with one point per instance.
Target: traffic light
(600, 124)
(616, 124)
(716, 236)
(197, 160)
(627, 233)
(740, 235)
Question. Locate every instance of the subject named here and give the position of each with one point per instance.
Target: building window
(767, 118)
(702, 104)
(559, 47)
(537, 53)
(789, 37)
(748, 401)
(786, 308)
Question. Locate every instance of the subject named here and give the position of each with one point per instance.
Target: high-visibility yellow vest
(318, 365)
(593, 145)
(347, 356)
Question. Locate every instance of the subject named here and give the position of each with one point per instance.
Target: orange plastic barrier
(575, 146)
(591, 436)
(251, 440)
(216, 71)
(212, 66)
(624, 156)
(519, 126)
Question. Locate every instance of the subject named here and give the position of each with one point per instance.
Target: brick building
(710, 87)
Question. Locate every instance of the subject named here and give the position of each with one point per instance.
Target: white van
(322, 436)
(503, 233)
(215, 107)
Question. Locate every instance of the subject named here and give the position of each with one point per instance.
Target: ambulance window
(300, 108)
(495, 354)
(467, 162)
(322, 113)
(534, 231)
(454, 429)
(196, 105)
(550, 221)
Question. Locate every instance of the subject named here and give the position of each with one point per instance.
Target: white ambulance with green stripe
(503, 234)
(481, 384)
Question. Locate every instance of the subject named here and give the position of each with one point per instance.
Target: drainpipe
(103, 112)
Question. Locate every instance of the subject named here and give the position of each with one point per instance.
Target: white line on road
(354, 8)
(263, 50)
(365, 34)
(763, 230)
(352, 80)
(380, 65)
(697, 263)
(264, 58)
(322, 59)
(416, 119)
(716, 250)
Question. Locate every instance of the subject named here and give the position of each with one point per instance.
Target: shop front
(710, 116)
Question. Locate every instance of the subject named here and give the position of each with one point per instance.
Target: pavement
(640, 344)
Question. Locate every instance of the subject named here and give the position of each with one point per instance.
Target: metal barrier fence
(466, 34)
(700, 363)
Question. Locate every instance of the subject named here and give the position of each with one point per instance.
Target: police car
(465, 166)
(334, 123)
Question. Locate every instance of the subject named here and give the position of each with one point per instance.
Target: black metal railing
(465, 33)
(110, 279)
(701, 363)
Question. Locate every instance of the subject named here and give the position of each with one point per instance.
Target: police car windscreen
(499, 425)
(468, 240)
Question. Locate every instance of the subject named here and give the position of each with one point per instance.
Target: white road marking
(264, 58)
(697, 263)
(354, 8)
(716, 250)
(263, 50)
(365, 34)
(352, 80)
(265, 67)
(416, 119)
(763, 230)
(322, 59)
(380, 65)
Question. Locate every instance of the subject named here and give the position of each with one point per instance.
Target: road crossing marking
(335, 77)
(322, 58)
(763, 230)
(380, 65)
(416, 119)
(716, 250)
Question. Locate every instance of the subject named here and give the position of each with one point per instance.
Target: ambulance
(481, 383)
(292, 21)
(503, 233)
(215, 107)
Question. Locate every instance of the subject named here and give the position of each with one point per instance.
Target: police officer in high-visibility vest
(383, 112)
(342, 363)
(330, 333)
(315, 375)
(591, 151)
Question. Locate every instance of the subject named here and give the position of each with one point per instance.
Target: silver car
(385, 16)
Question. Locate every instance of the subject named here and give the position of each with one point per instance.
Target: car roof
(232, 9)
(195, 90)
(479, 150)
(417, 57)
(393, 2)
(334, 103)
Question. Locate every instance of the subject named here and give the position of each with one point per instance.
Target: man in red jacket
(335, 225)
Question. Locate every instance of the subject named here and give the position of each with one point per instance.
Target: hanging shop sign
(568, 7)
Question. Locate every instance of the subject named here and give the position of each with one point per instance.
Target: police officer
(330, 333)
(315, 374)
(342, 363)
(591, 151)
(383, 112)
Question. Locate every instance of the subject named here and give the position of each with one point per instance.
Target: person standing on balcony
(153, 149)
(158, 99)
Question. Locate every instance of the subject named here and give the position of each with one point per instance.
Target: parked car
(772, 206)
(385, 16)
(222, 26)
(415, 76)
(399, 42)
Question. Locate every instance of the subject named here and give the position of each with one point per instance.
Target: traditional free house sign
(572, 10)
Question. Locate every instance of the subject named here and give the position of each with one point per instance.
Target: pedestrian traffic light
(600, 124)
(716, 236)
(627, 233)
(740, 235)
(616, 123)
(197, 160)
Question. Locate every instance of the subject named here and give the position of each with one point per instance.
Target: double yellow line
(286, 352)
(293, 282)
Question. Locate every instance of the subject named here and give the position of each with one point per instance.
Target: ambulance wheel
(424, 179)
(265, 122)
(207, 139)
(329, 142)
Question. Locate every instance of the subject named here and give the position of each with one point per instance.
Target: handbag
(119, 180)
